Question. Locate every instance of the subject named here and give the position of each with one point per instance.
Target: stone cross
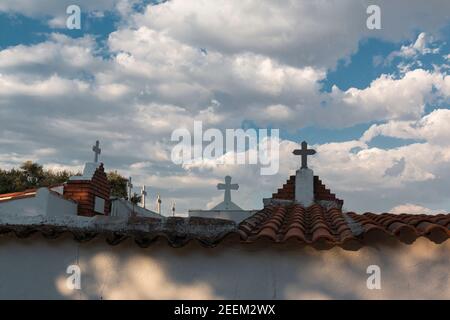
(173, 208)
(304, 152)
(158, 204)
(143, 195)
(96, 150)
(227, 186)
(130, 187)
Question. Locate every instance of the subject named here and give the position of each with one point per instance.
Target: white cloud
(300, 33)
(433, 128)
(262, 61)
(422, 46)
(414, 209)
(56, 10)
(59, 53)
(277, 112)
(52, 86)
(391, 98)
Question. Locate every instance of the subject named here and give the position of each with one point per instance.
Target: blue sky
(137, 70)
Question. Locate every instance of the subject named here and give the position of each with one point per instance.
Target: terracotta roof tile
(407, 227)
(307, 225)
(316, 225)
(18, 195)
(29, 193)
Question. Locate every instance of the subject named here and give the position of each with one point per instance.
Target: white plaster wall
(124, 209)
(234, 215)
(44, 203)
(36, 268)
(26, 207)
(304, 187)
(57, 206)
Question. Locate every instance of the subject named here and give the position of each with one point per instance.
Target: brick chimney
(91, 191)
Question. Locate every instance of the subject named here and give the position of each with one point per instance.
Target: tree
(118, 184)
(52, 177)
(136, 198)
(30, 175)
(33, 175)
(12, 181)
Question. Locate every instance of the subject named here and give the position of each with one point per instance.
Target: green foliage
(31, 175)
(118, 185)
(136, 198)
(12, 181)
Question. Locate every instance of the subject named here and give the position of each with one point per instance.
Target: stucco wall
(27, 207)
(44, 203)
(36, 268)
(124, 209)
(58, 206)
(234, 215)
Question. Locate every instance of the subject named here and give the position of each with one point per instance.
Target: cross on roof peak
(227, 186)
(304, 152)
(97, 150)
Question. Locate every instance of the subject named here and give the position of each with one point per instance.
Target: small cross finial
(97, 150)
(143, 195)
(158, 204)
(304, 152)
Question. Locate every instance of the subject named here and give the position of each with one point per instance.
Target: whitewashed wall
(26, 207)
(124, 209)
(35, 268)
(58, 206)
(45, 203)
(235, 215)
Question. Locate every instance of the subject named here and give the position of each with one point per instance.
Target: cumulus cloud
(397, 168)
(288, 30)
(56, 10)
(392, 98)
(59, 53)
(432, 127)
(414, 209)
(54, 85)
(222, 64)
(422, 46)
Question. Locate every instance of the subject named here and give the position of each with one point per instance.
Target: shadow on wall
(262, 272)
(35, 268)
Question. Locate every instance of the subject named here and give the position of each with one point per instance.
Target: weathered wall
(58, 206)
(234, 215)
(36, 268)
(124, 209)
(44, 203)
(27, 207)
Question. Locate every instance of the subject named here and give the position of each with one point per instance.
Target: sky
(373, 103)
